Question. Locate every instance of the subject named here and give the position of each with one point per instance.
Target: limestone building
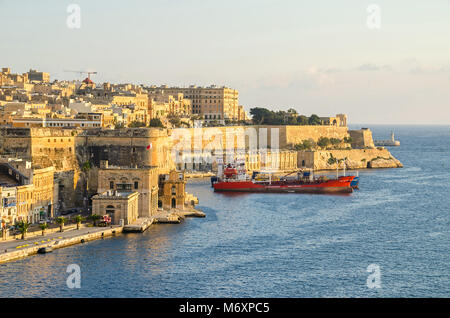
(27, 194)
(172, 191)
(210, 103)
(119, 205)
(34, 75)
(143, 180)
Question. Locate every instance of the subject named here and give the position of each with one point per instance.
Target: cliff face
(354, 158)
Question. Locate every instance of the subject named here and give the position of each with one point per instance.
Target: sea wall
(355, 159)
(26, 251)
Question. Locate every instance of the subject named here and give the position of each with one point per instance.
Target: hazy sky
(316, 56)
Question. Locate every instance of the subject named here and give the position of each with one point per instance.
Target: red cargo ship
(232, 181)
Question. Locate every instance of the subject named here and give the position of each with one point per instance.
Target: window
(136, 184)
(111, 185)
(123, 186)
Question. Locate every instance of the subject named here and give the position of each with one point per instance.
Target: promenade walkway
(9, 246)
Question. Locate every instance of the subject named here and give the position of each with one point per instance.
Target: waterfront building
(143, 180)
(172, 191)
(119, 205)
(8, 205)
(27, 194)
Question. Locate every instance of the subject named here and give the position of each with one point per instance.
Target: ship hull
(334, 186)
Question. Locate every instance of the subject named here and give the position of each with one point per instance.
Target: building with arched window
(143, 180)
(172, 191)
(118, 205)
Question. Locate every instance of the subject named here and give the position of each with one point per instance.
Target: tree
(308, 144)
(323, 142)
(43, 227)
(292, 120)
(23, 228)
(314, 120)
(292, 112)
(78, 219)
(260, 115)
(95, 218)
(156, 122)
(335, 141)
(86, 166)
(61, 220)
(136, 124)
(302, 120)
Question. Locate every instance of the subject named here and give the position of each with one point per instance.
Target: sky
(321, 57)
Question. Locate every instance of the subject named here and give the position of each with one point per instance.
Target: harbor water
(278, 245)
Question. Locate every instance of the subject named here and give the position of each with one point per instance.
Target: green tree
(335, 141)
(94, 218)
(302, 120)
(43, 227)
(292, 112)
(23, 228)
(292, 120)
(156, 122)
(314, 120)
(136, 124)
(60, 221)
(78, 219)
(260, 115)
(323, 142)
(307, 144)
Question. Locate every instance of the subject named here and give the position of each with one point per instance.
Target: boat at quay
(237, 180)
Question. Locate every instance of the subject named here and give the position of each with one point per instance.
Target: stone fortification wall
(361, 138)
(355, 159)
(255, 136)
(125, 147)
